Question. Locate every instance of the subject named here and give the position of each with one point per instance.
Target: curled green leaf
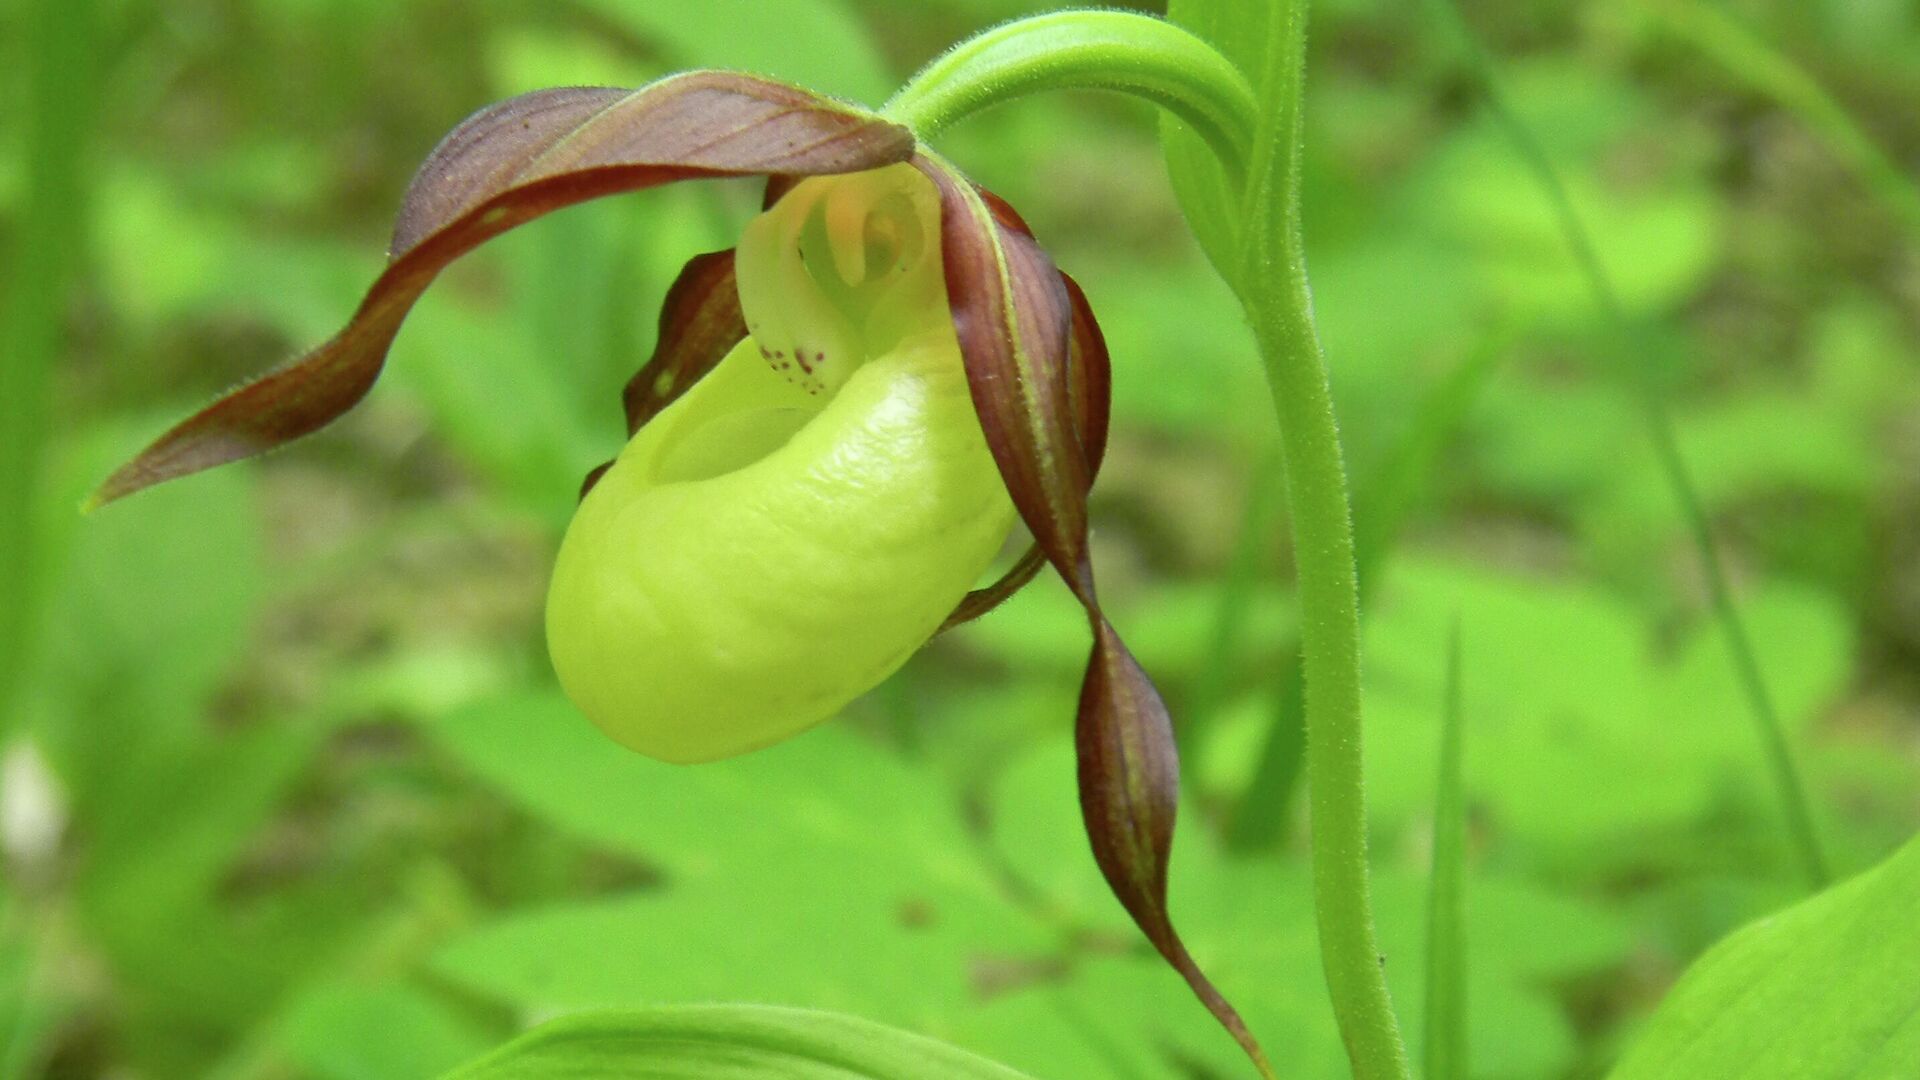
(791, 530)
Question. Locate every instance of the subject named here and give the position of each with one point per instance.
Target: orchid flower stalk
(842, 418)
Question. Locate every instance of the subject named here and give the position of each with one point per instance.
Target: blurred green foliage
(288, 791)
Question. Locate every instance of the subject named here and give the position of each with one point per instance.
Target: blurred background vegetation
(289, 791)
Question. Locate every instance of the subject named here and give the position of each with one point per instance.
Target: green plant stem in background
(59, 58)
(1647, 393)
(1734, 46)
(1446, 1027)
(58, 55)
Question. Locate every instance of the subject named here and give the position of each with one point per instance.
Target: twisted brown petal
(1016, 317)
(984, 599)
(700, 322)
(1090, 388)
(506, 165)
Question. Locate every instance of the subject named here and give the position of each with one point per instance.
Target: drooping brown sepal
(506, 165)
(1090, 390)
(700, 322)
(1020, 323)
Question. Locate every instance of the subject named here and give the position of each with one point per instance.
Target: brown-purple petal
(700, 322)
(1012, 314)
(1020, 323)
(505, 166)
(1129, 792)
(984, 599)
(1091, 383)
(1090, 389)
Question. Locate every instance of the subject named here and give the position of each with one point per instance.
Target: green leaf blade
(1829, 988)
(1446, 1029)
(727, 1042)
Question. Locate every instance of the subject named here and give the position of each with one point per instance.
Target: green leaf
(158, 848)
(151, 613)
(1041, 629)
(1187, 374)
(1658, 242)
(1588, 735)
(728, 1042)
(1732, 44)
(1765, 448)
(1035, 827)
(1253, 921)
(28, 1013)
(833, 935)
(492, 392)
(822, 872)
(1829, 988)
(296, 284)
(343, 1031)
(48, 248)
(813, 797)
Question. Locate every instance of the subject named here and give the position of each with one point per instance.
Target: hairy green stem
(1646, 391)
(1330, 646)
(1383, 501)
(1086, 50)
(1273, 287)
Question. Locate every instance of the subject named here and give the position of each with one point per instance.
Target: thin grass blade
(1724, 39)
(1647, 393)
(1446, 1026)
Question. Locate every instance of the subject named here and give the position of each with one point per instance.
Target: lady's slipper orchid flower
(828, 447)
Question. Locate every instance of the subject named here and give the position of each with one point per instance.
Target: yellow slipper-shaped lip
(786, 534)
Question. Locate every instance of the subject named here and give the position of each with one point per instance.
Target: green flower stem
(1086, 50)
(1273, 287)
(1316, 481)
